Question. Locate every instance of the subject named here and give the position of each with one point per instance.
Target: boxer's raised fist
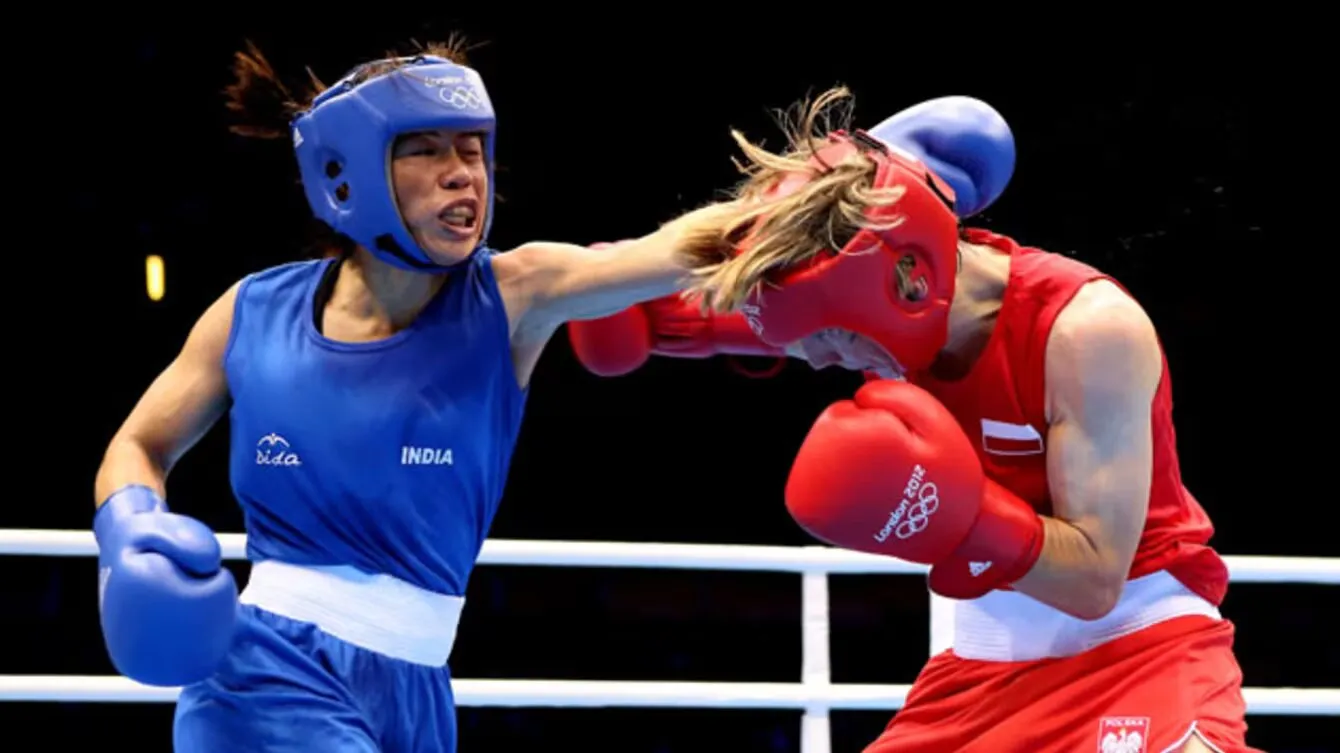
(889, 472)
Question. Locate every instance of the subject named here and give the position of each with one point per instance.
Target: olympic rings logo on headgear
(920, 512)
(461, 97)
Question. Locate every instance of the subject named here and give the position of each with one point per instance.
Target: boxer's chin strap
(771, 371)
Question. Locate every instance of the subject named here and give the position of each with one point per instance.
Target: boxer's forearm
(127, 462)
(1072, 574)
(659, 264)
(565, 283)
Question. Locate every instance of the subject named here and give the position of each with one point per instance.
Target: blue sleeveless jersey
(390, 456)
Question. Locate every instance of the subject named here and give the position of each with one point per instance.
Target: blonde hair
(821, 216)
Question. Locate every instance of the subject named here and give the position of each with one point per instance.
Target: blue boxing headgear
(343, 144)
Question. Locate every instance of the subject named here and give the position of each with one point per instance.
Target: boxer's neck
(380, 298)
(979, 291)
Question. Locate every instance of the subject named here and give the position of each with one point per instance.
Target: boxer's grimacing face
(441, 184)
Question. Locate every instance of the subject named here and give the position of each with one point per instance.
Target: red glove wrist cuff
(681, 329)
(1002, 546)
(733, 336)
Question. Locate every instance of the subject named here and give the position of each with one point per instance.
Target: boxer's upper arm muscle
(1103, 366)
(545, 285)
(187, 397)
(559, 282)
(518, 273)
(525, 275)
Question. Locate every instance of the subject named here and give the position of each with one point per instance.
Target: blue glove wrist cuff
(128, 500)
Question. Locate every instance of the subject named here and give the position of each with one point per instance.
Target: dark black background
(1142, 156)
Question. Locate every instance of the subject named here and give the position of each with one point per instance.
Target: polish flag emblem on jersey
(1123, 734)
(1000, 438)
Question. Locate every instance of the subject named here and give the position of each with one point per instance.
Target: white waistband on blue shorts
(1009, 626)
(374, 612)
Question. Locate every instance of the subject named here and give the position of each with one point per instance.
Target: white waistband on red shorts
(375, 612)
(1009, 626)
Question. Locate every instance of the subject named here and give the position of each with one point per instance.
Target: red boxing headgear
(855, 288)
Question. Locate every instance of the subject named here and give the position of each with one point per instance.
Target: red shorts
(1161, 683)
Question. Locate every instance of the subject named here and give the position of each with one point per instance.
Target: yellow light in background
(153, 277)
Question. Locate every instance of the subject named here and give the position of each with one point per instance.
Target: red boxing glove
(614, 345)
(890, 472)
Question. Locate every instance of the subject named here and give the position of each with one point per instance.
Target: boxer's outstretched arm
(179, 407)
(1103, 367)
(554, 283)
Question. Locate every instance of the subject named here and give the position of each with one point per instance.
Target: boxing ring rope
(815, 694)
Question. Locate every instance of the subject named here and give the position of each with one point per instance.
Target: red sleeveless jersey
(1001, 405)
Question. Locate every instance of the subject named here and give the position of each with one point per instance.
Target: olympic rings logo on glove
(911, 517)
(461, 97)
(919, 514)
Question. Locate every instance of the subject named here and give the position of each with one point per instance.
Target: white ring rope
(782, 559)
(815, 694)
(606, 694)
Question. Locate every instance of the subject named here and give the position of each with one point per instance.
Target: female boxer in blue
(374, 400)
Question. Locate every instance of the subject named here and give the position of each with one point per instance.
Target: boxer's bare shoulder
(1103, 341)
(1101, 308)
(181, 404)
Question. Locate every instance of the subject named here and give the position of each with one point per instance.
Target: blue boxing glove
(169, 607)
(962, 140)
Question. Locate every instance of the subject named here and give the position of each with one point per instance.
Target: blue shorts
(288, 686)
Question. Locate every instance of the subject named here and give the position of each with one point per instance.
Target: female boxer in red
(1025, 451)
